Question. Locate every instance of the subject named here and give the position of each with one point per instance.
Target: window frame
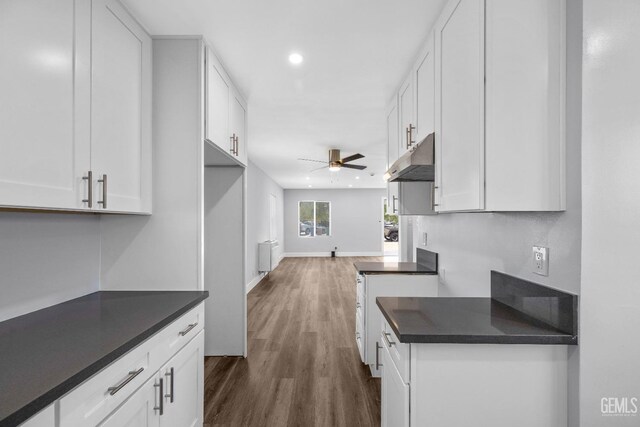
(315, 222)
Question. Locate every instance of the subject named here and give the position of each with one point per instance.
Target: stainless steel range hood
(415, 165)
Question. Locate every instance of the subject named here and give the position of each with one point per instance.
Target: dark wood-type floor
(303, 367)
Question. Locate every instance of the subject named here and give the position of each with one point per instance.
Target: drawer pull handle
(378, 364)
(358, 305)
(189, 328)
(132, 374)
(170, 394)
(386, 336)
(160, 406)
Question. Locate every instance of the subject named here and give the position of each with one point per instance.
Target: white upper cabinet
(425, 86)
(217, 105)
(405, 111)
(43, 154)
(120, 109)
(459, 35)
(225, 116)
(76, 76)
(500, 105)
(525, 105)
(238, 127)
(393, 146)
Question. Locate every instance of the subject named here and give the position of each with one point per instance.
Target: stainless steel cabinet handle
(170, 394)
(189, 328)
(410, 130)
(406, 137)
(358, 305)
(89, 179)
(378, 364)
(394, 209)
(103, 202)
(160, 406)
(385, 335)
(132, 374)
(236, 145)
(233, 143)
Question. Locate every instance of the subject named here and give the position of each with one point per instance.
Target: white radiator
(267, 256)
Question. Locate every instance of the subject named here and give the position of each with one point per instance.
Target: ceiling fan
(335, 163)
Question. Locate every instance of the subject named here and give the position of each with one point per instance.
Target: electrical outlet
(541, 260)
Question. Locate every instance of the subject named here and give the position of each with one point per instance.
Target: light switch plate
(541, 260)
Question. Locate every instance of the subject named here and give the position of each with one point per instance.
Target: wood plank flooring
(303, 367)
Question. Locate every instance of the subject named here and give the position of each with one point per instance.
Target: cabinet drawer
(400, 353)
(177, 335)
(90, 402)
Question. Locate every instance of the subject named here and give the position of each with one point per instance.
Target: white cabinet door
(183, 386)
(142, 409)
(217, 105)
(395, 394)
(405, 111)
(460, 106)
(120, 109)
(238, 127)
(393, 146)
(43, 156)
(425, 97)
(44, 418)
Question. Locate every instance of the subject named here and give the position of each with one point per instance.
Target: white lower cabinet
(498, 385)
(183, 386)
(158, 383)
(368, 316)
(395, 394)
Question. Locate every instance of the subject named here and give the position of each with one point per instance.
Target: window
(314, 218)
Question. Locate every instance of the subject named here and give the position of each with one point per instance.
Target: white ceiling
(356, 52)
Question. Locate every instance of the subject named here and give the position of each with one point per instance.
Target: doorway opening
(390, 233)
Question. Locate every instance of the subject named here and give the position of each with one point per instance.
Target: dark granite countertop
(47, 353)
(392, 268)
(465, 321)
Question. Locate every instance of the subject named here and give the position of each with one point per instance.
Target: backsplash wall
(46, 259)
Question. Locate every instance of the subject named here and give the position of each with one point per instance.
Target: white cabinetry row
(499, 385)
(490, 82)
(158, 383)
(368, 316)
(75, 119)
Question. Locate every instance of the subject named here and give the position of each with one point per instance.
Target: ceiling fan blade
(352, 158)
(317, 169)
(359, 167)
(313, 160)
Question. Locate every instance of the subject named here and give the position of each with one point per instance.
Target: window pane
(306, 219)
(323, 219)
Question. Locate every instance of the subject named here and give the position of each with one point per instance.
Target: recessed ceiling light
(350, 185)
(308, 178)
(296, 58)
(310, 185)
(357, 177)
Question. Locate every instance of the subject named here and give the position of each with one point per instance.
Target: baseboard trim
(253, 283)
(328, 254)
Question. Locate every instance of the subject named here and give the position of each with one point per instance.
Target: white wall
(472, 244)
(46, 259)
(356, 226)
(610, 292)
(260, 187)
(163, 251)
